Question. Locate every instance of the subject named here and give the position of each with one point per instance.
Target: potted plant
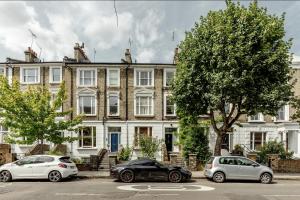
(124, 154)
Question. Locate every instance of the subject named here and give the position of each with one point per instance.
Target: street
(109, 189)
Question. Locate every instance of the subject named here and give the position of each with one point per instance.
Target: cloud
(145, 55)
(147, 29)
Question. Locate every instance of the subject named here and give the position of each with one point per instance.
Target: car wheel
(266, 178)
(127, 176)
(219, 177)
(175, 177)
(54, 176)
(5, 176)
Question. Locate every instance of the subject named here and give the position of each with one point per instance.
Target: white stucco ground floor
(113, 135)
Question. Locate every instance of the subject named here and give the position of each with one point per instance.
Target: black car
(147, 169)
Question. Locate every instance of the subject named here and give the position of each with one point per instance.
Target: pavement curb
(109, 177)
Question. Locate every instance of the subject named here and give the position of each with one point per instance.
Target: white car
(54, 168)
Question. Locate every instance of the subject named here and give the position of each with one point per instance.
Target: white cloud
(145, 55)
(147, 29)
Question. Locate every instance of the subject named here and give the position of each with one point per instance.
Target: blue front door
(114, 142)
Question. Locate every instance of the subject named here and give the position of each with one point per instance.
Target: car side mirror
(19, 163)
(255, 165)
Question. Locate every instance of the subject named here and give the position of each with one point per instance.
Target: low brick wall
(288, 166)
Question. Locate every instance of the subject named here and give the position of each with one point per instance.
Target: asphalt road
(86, 189)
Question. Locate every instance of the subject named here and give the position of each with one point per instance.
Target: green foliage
(125, 153)
(77, 160)
(149, 146)
(238, 150)
(56, 153)
(31, 116)
(273, 147)
(238, 57)
(194, 138)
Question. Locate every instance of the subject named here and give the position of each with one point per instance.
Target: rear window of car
(65, 160)
(44, 159)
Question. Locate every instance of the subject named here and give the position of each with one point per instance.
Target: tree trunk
(218, 145)
(42, 146)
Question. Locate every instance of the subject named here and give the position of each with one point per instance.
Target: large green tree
(31, 115)
(235, 58)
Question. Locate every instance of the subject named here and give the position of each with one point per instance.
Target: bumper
(69, 173)
(115, 174)
(208, 173)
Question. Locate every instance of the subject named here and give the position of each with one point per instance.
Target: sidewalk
(195, 175)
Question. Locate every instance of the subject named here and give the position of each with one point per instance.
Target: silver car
(221, 168)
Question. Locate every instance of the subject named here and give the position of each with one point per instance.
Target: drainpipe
(105, 109)
(126, 105)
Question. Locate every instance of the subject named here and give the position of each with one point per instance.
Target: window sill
(85, 86)
(87, 115)
(114, 116)
(87, 148)
(30, 83)
(281, 121)
(55, 82)
(144, 116)
(173, 116)
(256, 121)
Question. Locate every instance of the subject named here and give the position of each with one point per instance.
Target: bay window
(141, 132)
(87, 137)
(257, 140)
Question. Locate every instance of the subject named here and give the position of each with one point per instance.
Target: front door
(114, 142)
(169, 141)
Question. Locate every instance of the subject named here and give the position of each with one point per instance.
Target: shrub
(125, 154)
(77, 160)
(56, 153)
(149, 146)
(196, 141)
(238, 150)
(273, 147)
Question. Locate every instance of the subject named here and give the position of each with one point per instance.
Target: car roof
(54, 156)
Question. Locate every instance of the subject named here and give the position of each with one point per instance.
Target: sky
(151, 29)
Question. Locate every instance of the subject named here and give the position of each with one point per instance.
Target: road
(91, 189)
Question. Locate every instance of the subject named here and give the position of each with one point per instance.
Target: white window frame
(108, 77)
(86, 95)
(143, 70)
(86, 69)
(2, 134)
(51, 74)
(94, 141)
(165, 106)
(4, 70)
(166, 70)
(117, 94)
(151, 95)
(137, 135)
(260, 118)
(22, 75)
(286, 115)
(252, 134)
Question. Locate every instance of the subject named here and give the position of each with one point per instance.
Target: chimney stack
(128, 56)
(79, 54)
(30, 55)
(175, 59)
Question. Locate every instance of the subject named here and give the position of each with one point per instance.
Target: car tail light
(62, 165)
(209, 166)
